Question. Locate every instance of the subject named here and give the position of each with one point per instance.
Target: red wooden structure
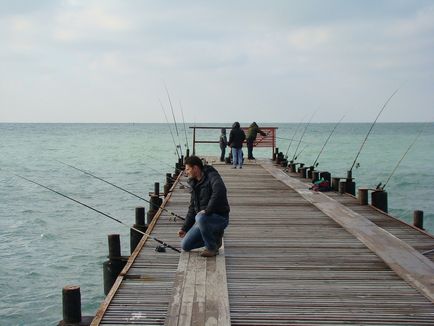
(261, 141)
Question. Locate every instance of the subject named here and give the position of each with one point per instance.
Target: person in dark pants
(251, 137)
(208, 213)
(236, 139)
(223, 143)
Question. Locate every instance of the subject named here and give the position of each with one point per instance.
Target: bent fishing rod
(302, 135)
(173, 115)
(372, 126)
(102, 213)
(170, 129)
(125, 190)
(399, 162)
(316, 163)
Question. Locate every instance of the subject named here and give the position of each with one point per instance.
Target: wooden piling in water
(363, 196)
(379, 200)
(418, 219)
(139, 224)
(115, 263)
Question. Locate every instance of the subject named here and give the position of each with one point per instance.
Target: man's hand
(202, 212)
(181, 233)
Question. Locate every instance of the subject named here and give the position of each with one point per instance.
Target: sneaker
(234, 167)
(241, 167)
(209, 253)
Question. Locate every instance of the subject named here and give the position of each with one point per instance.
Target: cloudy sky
(268, 61)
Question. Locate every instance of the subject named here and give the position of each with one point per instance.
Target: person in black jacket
(208, 213)
(236, 139)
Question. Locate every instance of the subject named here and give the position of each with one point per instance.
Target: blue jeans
(237, 156)
(204, 232)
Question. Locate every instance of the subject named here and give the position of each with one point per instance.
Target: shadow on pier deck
(291, 257)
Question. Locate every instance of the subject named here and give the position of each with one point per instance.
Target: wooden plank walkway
(287, 263)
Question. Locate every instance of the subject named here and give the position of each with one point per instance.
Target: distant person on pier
(251, 137)
(223, 143)
(236, 139)
(208, 213)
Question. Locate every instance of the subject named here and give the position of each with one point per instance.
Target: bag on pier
(320, 185)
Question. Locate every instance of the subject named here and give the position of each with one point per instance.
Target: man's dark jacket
(237, 136)
(208, 194)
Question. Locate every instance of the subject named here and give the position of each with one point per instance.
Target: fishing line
(293, 137)
(102, 213)
(125, 190)
(185, 130)
(159, 173)
(304, 131)
(408, 149)
(170, 129)
(174, 120)
(331, 133)
(372, 126)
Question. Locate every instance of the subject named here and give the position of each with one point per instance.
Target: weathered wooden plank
(402, 258)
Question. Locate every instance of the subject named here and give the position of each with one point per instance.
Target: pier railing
(261, 141)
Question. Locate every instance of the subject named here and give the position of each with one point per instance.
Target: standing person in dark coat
(236, 139)
(223, 143)
(208, 213)
(251, 137)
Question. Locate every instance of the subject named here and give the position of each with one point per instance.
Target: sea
(48, 241)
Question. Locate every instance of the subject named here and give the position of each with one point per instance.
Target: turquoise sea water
(47, 242)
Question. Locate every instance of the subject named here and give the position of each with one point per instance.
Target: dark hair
(194, 160)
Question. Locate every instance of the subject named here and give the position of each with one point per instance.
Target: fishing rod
(284, 138)
(399, 162)
(302, 135)
(170, 129)
(125, 190)
(173, 115)
(302, 150)
(315, 164)
(185, 129)
(159, 173)
(372, 126)
(102, 213)
(293, 137)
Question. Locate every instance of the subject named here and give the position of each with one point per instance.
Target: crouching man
(208, 213)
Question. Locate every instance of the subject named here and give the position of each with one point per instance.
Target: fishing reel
(160, 248)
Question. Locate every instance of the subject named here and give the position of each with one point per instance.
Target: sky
(221, 61)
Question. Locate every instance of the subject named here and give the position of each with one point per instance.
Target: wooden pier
(290, 257)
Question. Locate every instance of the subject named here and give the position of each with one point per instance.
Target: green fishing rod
(400, 160)
(316, 163)
(102, 213)
(125, 190)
